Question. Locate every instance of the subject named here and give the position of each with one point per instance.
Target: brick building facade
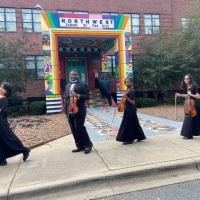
(143, 14)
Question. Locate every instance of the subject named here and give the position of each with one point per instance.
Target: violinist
(76, 93)
(130, 128)
(191, 124)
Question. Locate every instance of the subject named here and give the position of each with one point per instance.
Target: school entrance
(74, 41)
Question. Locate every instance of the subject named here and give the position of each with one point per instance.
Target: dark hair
(75, 70)
(7, 86)
(130, 79)
(192, 82)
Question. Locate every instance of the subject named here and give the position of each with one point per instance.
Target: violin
(122, 103)
(73, 108)
(189, 104)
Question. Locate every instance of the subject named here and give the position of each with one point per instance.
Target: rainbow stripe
(87, 33)
(52, 19)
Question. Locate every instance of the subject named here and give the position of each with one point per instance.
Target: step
(94, 92)
(96, 106)
(97, 100)
(95, 96)
(98, 103)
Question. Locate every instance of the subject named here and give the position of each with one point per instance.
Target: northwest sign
(87, 23)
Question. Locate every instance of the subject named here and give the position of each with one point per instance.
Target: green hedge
(37, 108)
(171, 100)
(145, 102)
(16, 111)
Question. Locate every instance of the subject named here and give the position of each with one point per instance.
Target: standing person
(130, 128)
(76, 121)
(191, 125)
(10, 144)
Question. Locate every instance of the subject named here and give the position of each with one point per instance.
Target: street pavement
(183, 191)
(54, 172)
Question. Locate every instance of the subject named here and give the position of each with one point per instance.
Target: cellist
(191, 124)
(130, 128)
(80, 91)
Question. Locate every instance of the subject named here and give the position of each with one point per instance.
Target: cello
(73, 108)
(189, 104)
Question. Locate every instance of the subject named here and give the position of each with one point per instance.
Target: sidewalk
(54, 172)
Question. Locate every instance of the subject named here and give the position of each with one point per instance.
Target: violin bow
(175, 109)
(113, 118)
(114, 114)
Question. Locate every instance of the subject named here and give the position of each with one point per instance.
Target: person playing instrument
(130, 128)
(10, 144)
(191, 125)
(80, 91)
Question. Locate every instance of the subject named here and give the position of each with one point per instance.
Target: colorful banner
(129, 65)
(104, 62)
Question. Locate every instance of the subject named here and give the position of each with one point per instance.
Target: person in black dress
(10, 144)
(76, 121)
(130, 128)
(191, 125)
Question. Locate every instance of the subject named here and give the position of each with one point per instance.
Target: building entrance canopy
(83, 44)
(84, 33)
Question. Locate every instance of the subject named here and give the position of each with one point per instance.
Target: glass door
(79, 64)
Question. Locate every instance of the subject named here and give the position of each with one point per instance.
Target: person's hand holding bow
(73, 94)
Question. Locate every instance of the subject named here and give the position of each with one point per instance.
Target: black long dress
(10, 144)
(130, 128)
(191, 125)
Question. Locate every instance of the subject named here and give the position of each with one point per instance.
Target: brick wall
(34, 88)
(171, 12)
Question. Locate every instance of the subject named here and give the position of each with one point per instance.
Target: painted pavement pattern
(106, 128)
(101, 126)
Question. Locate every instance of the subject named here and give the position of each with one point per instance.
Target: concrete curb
(165, 169)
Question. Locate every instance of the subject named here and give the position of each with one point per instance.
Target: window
(113, 14)
(111, 65)
(184, 22)
(35, 67)
(151, 23)
(31, 20)
(7, 19)
(73, 12)
(135, 23)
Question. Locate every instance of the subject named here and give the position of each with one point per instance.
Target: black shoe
(125, 143)
(88, 149)
(26, 155)
(77, 149)
(187, 138)
(141, 139)
(2, 163)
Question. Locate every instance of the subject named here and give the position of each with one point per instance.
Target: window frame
(73, 12)
(110, 13)
(32, 22)
(185, 22)
(113, 67)
(5, 21)
(36, 69)
(130, 14)
(152, 26)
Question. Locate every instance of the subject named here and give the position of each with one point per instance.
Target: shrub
(145, 102)
(15, 101)
(171, 100)
(37, 108)
(16, 111)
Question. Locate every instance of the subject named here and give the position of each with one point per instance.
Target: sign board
(89, 23)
